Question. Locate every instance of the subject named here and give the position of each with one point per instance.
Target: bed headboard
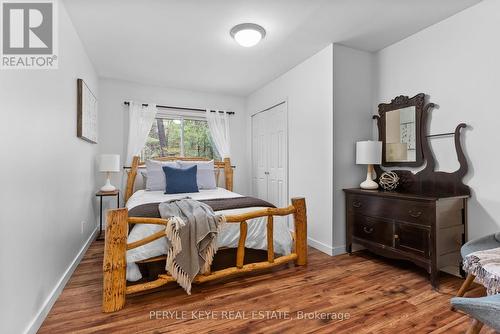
(219, 165)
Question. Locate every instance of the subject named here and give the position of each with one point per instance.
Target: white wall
(47, 181)
(113, 120)
(457, 63)
(308, 90)
(352, 105)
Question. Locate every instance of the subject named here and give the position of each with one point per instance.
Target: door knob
(267, 173)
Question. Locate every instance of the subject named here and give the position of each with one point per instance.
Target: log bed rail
(115, 286)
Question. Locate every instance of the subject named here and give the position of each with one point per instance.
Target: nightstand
(102, 194)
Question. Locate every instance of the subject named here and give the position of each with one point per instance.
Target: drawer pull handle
(415, 214)
(356, 204)
(367, 229)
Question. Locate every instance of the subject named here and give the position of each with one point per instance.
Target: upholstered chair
(484, 310)
(483, 243)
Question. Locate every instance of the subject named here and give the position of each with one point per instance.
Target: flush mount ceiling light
(248, 34)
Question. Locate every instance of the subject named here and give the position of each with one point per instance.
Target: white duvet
(229, 236)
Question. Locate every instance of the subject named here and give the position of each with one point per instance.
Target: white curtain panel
(218, 122)
(140, 119)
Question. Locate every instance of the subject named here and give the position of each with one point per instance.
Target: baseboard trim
(332, 251)
(339, 250)
(322, 247)
(51, 299)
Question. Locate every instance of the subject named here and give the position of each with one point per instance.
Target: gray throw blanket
(191, 231)
(485, 265)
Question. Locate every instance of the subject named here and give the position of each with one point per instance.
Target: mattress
(228, 237)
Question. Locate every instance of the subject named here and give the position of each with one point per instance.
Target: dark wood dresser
(426, 230)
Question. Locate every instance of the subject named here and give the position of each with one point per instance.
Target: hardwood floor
(380, 296)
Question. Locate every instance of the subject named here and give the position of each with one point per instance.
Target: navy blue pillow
(180, 180)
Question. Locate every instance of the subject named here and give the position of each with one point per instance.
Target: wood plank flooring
(380, 296)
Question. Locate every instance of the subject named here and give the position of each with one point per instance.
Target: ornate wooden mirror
(400, 131)
(411, 114)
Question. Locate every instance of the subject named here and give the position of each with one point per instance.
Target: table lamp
(369, 153)
(109, 163)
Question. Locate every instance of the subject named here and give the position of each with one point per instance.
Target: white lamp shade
(109, 163)
(369, 152)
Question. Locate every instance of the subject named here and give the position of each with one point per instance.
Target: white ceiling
(186, 43)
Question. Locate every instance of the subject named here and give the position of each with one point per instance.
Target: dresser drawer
(373, 229)
(395, 209)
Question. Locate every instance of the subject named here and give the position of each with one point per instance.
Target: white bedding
(229, 236)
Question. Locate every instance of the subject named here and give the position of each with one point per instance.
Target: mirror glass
(400, 135)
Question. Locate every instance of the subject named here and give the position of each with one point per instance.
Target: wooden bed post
(115, 262)
(240, 253)
(131, 178)
(300, 220)
(270, 239)
(228, 174)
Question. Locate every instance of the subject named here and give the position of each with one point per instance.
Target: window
(179, 136)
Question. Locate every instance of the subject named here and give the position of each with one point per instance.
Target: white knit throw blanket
(485, 265)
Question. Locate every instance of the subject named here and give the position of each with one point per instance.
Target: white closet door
(269, 145)
(276, 167)
(259, 157)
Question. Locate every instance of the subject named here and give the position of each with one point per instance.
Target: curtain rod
(182, 108)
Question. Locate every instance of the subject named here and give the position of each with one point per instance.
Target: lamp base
(369, 184)
(108, 186)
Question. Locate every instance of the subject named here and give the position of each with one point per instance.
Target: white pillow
(205, 174)
(155, 176)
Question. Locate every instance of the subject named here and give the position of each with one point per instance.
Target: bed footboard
(115, 286)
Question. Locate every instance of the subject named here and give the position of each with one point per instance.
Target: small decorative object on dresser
(389, 181)
(369, 153)
(425, 221)
(109, 163)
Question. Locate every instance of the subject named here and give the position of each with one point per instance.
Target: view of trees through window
(179, 137)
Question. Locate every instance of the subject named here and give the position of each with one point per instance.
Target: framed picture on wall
(86, 123)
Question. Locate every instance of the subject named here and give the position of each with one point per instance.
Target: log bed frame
(115, 287)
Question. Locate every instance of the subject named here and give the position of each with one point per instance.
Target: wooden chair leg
(475, 327)
(466, 285)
